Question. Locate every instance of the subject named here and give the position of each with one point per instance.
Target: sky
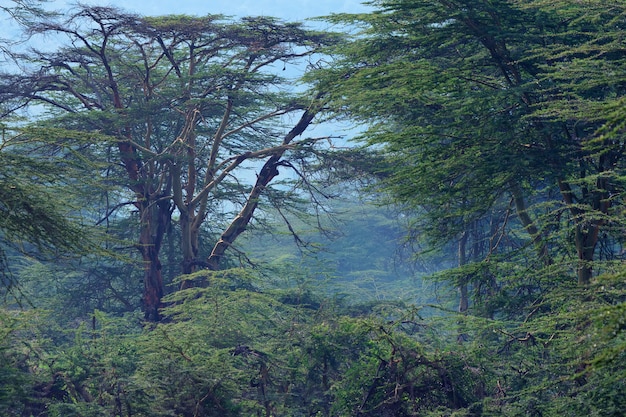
(290, 10)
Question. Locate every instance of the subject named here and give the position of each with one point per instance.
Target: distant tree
(195, 107)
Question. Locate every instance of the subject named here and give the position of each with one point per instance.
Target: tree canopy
(476, 102)
(189, 104)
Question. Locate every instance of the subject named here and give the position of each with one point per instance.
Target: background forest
(186, 228)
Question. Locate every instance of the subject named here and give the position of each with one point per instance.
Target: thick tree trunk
(155, 219)
(153, 283)
(587, 231)
(586, 239)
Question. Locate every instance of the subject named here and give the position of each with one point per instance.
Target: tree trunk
(152, 283)
(188, 245)
(464, 300)
(529, 224)
(155, 219)
(586, 239)
(240, 223)
(267, 173)
(586, 231)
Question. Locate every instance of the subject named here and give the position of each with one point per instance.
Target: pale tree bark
(265, 176)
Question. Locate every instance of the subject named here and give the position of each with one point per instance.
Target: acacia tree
(517, 107)
(473, 101)
(188, 103)
(581, 92)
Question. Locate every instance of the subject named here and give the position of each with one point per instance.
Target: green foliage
(494, 118)
(502, 133)
(15, 383)
(77, 371)
(242, 351)
(501, 127)
(240, 346)
(31, 203)
(558, 351)
(230, 349)
(38, 215)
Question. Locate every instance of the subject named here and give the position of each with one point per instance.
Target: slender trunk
(171, 253)
(529, 224)
(267, 173)
(464, 300)
(587, 232)
(189, 244)
(241, 221)
(586, 239)
(464, 295)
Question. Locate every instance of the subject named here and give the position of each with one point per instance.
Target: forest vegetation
(185, 230)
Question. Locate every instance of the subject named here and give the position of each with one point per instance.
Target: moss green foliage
(481, 105)
(239, 347)
(233, 348)
(502, 134)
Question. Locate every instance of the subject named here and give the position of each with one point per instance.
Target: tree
(579, 96)
(191, 103)
(473, 103)
(503, 132)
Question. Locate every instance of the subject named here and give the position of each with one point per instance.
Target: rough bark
(154, 223)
